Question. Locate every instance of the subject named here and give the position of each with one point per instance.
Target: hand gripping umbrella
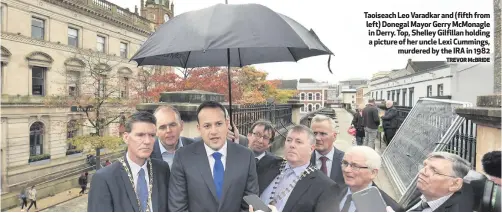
(232, 36)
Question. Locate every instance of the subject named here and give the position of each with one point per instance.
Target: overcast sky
(341, 27)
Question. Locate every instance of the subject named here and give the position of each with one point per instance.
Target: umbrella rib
(239, 52)
(188, 56)
(294, 58)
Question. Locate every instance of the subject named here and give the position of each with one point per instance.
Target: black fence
(463, 142)
(244, 116)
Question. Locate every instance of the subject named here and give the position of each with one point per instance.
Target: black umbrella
(231, 35)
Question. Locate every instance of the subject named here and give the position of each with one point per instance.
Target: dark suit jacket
(461, 201)
(388, 200)
(312, 193)
(156, 148)
(266, 162)
(111, 189)
(336, 167)
(191, 187)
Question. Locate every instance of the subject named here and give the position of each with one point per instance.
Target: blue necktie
(142, 190)
(218, 172)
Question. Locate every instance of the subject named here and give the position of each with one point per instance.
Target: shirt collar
(222, 151)
(329, 155)
(350, 192)
(261, 156)
(135, 167)
(298, 170)
(434, 204)
(163, 149)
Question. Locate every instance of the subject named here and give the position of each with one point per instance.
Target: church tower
(157, 11)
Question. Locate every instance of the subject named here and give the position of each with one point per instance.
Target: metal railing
(244, 116)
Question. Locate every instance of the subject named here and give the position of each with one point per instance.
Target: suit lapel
(129, 188)
(313, 159)
(335, 165)
(155, 190)
(300, 188)
(203, 166)
(156, 150)
(268, 176)
(230, 169)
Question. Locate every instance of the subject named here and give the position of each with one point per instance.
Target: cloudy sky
(341, 26)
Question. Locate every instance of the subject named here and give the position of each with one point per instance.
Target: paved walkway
(45, 203)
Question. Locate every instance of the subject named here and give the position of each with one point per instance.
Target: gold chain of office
(129, 174)
(280, 196)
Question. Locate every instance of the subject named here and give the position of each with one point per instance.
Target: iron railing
(244, 116)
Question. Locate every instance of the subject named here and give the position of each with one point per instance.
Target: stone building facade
(40, 39)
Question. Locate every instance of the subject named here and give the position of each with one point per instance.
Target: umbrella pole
(230, 92)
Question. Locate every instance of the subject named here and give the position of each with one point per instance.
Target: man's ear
(456, 185)
(125, 137)
(181, 125)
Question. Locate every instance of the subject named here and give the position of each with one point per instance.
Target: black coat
(358, 123)
(389, 120)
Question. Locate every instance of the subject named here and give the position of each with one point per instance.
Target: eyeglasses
(258, 135)
(432, 170)
(354, 167)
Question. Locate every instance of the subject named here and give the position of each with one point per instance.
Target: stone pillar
(186, 102)
(487, 118)
(295, 110)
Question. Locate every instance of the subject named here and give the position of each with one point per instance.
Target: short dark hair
(491, 163)
(141, 116)
(211, 104)
(267, 126)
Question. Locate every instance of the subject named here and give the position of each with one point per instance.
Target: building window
(393, 95)
(429, 91)
(310, 107)
(302, 96)
(124, 91)
(404, 97)
(388, 95)
(73, 83)
(102, 86)
(37, 28)
(398, 93)
(101, 42)
(317, 106)
(38, 81)
(72, 37)
(440, 89)
(37, 138)
(72, 131)
(303, 108)
(123, 50)
(411, 96)
(318, 96)
(310, 96)
(381, 95)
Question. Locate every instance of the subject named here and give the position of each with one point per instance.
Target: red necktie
(324, 168)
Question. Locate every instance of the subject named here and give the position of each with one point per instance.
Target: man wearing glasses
(440, 181)
(326, 157)
(261, 137)
(360, 167)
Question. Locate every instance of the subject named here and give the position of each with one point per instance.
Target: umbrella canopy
(231, 35)
(252, 34)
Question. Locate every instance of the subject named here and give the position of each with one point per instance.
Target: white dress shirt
(260, 156)
(329, 162)
(222, 151)
(433, 204)
(135, 174)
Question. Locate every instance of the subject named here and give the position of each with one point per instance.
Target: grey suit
(111, 189)
(336, 166)
(156, 148)
(191, 186)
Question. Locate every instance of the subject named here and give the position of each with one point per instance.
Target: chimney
(136, 9)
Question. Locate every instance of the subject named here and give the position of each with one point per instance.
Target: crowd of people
(162, 171)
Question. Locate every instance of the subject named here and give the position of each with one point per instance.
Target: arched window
(310, 107)
(310, 96)
(317, 106)
(318, 96)
(303, 108)
(302, 96)
(71, 131)
(37, 138)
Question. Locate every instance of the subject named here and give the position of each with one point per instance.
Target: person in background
(358, 124)
(491, 165)
(261, 137)
(24, 200)
(371, 123)
(107, 163)
(82, 181)
(389, 121)
(32, 196)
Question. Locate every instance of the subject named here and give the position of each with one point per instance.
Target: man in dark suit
(360, 166)
(135, 182)
(389, 121)
(293, 185)
(261, 137)
(213, 175)
(440, 182)
(169, 128)
(326, 157)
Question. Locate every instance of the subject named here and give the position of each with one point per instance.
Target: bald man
(389, 121)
